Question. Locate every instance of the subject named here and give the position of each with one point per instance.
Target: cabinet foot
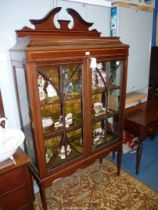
(43, 197)
(100, 160)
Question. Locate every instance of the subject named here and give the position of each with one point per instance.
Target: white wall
(16, 14)
(135, 29)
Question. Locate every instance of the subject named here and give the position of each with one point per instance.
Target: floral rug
(99, 188)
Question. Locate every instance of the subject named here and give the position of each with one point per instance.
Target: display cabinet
(71, 85)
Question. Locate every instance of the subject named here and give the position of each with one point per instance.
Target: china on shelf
(68, 121)
(47, 122)
(64, 151)
(98, 108)
(58, 124)
(98, 135)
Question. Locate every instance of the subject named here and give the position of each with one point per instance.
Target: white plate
(47, 122)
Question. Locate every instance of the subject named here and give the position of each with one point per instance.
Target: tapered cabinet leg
(100, 160)
(43, 196)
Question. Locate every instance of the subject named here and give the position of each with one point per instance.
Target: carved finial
(46, 23)
(46, 27)
(79, 22)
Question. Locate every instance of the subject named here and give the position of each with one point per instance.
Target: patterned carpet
(99, 188)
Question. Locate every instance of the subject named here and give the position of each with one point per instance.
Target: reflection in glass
(47, 86)
(68, 86)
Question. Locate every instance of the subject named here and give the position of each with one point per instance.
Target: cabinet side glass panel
(24, 111)
(106, 91)
(60, 96)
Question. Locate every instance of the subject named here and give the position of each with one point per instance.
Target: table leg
(113, 155)
(119, 158)
(139, 155)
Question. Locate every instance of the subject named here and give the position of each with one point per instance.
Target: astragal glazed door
(60, 95)
(106, 94)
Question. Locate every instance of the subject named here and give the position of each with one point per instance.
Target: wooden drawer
(14, 200)
(16, 189)
(132, 128)
(11, 180)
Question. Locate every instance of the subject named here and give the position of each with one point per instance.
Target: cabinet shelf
(115, 87)
(57, 161)
(59, 131)
(47, 102)
(50, 101)
(108, 139)
(76, 146)
(99, 90)
(102, 117)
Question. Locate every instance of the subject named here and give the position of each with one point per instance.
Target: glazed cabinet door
(106, 82)
(60, 92)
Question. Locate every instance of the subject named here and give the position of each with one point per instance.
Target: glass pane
(60, 95)
(48, 85)
(58, 153)
(24, 112)
(106, 91)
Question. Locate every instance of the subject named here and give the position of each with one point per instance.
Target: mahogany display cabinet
(71, 85)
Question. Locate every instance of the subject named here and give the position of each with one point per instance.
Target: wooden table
(142, 121)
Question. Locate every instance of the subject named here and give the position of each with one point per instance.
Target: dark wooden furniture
(76, 84)
(142, 121)
(16, 190)
(153, 93)
(153, 75)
